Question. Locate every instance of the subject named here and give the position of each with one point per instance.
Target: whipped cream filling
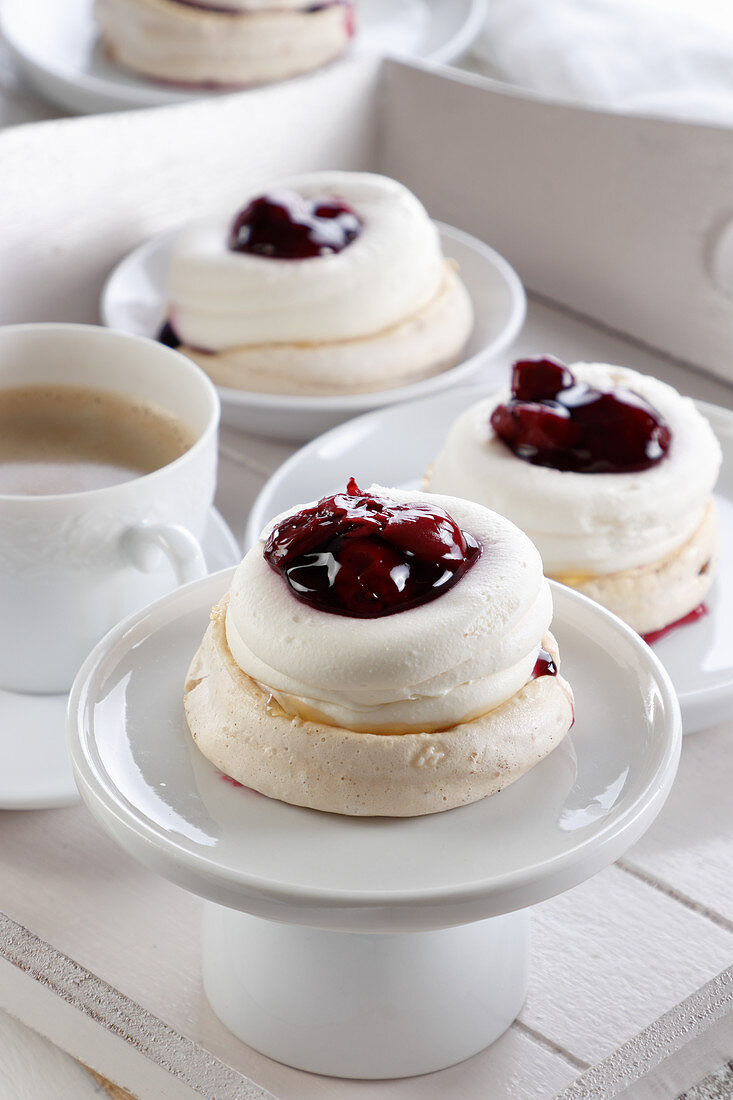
(430, 341)
(325, 767)
(428, 668)
(221, 299)
(651, 597)
(589, 523)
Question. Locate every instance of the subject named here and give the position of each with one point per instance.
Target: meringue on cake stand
(369, 947)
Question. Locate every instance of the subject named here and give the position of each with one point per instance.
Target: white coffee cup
(73, 564)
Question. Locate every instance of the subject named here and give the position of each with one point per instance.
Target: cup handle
(142, 543)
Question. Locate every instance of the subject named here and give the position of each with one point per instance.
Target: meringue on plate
(609, 472)
(381, 653)
(223, 43)
(329, 283)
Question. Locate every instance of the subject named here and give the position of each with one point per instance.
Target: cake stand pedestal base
(348, 1004)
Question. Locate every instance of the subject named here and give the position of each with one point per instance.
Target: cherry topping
(167, 335)
(284, 225)
(539, 379)
(367, 556)
(554, 420)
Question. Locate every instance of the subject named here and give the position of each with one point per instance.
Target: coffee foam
(60, 439)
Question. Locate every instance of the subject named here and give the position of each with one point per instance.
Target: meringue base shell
(651, 597)
(241, 730)
(181, 44)
(425, 344)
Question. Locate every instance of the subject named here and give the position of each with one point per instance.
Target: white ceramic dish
(36, 774)
(573, 813)
(133, 299)
(56, 46)
(698, 657)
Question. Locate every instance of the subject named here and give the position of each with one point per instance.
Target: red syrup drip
(366, 556)
(286, 226)
(350, 19)
(691, 617)
(544, 665)
(235, 783)
(554, 420)
(232, 782)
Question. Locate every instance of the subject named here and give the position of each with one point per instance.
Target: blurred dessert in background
(610, 473)
(328, 283)
(223, 43)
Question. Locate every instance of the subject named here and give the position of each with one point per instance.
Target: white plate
(144, 779)
(134, 300)
(395, 446)
(55, 44)
(36, 773)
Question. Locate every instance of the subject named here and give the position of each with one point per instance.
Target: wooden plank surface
(687, 1053)
(688, 852)
(612, 955)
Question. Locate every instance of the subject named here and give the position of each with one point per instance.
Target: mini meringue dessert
(610, 472)
(223, 43)
(381, 653)
(330, 283)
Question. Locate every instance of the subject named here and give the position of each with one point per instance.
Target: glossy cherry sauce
(366, 556)
(554, 420)
(240, 786)
(286, 226)
(544, 665)
(283, 225)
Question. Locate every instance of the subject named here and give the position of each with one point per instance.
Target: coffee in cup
(71, 439)
(108, 449)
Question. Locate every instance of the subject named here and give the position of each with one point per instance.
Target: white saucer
(571, 815)
(36, 773)
(55, 44)
(698, 657)
(133, 299)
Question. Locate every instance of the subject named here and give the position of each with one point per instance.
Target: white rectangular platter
(610, 217)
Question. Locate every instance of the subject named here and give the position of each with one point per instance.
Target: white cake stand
(369, 947)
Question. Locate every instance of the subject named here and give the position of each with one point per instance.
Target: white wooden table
(608, 957)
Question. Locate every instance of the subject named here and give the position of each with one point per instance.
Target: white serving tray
(102, 956)
(621, 219)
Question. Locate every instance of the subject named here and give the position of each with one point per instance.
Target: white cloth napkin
(670, 57)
